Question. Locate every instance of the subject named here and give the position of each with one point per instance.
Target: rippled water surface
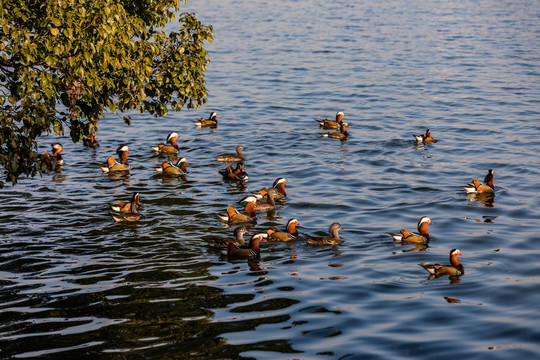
(73, 283)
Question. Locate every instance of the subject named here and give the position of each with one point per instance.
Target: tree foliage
(65, 63)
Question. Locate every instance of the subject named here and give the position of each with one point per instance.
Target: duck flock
(268, 199)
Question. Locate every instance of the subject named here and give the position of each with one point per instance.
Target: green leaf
(70, 63)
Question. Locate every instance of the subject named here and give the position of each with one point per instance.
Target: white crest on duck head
(247, 199)
(455, 252)
(259, 236)
(181, 160)
(122, 148)
(291, 221)
(279, 181)
(172, 136)
(57, 146)
(340, 113)
(213, 116)
(422, 220)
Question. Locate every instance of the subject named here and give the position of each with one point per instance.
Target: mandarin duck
(239, 156)
(421, 237)
(125, 207)
(91, 141)
(132, 214)
(210, 122)
(279, 184)
(427, 139)
(289, 234)
(331, 124)
(455, 268)
(333, 239)
(270, 203)
(252, 251)
(476, 187)
(173, 169)
(115, 166)
(237, 174)
(166, 148)
(57, 154)
(223, 242)
(233, 217)
(342, 135)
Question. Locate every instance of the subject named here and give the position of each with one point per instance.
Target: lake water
(74, 284)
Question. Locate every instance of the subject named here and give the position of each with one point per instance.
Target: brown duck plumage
(237, 240)
(424, 138)
(171, 147)
(270, 203)
(239, 156)
(210, 122)
(476, 187)
(291, 233)
(125, 207)
(332, 124)
(132, 214)
(333, 239)
(421, 237)
(455, 267)
(114, 166)
(342, 135)
(252, 251)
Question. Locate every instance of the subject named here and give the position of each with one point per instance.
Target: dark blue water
(73, 283)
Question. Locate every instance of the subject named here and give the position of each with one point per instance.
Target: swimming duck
(238, 174)
(57, 153)
(279, 184)
(476, 187)
(333, 239)
(455, 268)
(125, 207)
(114, 166)
(171, 169)
(91, 141)
(290, 234)
(424, 138)
(232, 157)
(269, 204)
(342, 135)
(132, 215)
(331, 124)
(168, 149)
(234, 217)
(252, 251)
(210, 122)
(245, 201)
(237, 240)
(421, 237)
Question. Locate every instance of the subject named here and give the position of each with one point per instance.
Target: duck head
(247, 199)
(291, 226)
(254, 242)
(454, 253)
(488, 180)
(181, 164)
(423, 225)
(122, 152)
